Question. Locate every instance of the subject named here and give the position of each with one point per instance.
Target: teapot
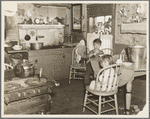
(24, 69)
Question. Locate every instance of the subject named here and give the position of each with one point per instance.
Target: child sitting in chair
(93, 55)
(96, 52)
(106, 60)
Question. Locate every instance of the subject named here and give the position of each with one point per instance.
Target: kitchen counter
(10, 50)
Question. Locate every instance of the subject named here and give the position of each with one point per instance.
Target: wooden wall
(121, 41)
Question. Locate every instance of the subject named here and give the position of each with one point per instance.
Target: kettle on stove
(24, 69)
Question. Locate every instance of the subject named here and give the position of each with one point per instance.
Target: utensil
(137, 55)
(40, 73)
(37, 45)
(24, 69)
(27, 37)
(17, 47)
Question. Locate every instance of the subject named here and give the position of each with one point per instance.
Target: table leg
(128, 95)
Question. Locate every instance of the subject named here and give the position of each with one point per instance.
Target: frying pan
(27, 37)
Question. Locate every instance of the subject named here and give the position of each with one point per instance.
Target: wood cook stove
(27, 96)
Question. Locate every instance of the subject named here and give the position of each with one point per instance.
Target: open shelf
(35, 26)
(134, 28)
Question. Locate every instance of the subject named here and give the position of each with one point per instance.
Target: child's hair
(107, 58)
(97, 41)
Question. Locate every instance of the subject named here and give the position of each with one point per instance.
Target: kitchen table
(127, 76)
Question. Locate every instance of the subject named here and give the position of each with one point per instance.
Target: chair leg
(99, 107)
(116, 104)
(85, 101)
(70, 75)
(74, 73)
(103, 101)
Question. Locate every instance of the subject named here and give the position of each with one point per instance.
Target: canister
(137, 55)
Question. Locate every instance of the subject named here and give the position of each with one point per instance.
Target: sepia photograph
(75, 59)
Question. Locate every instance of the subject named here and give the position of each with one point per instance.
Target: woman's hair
(97, 41)
(108, 58)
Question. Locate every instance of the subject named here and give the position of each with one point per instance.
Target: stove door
(35, 105)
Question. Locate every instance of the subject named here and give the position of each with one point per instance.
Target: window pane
(108, 17)
(100, 19)
(108, 24)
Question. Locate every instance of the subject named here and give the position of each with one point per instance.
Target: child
(93, 55)
(96, 52)
(106, 60)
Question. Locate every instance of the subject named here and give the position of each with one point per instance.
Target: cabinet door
(55, 63)
(68, 61)
(38, 61)
(54, 66)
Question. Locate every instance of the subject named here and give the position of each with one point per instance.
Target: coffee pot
(24, 69)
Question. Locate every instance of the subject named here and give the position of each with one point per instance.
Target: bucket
(15, 59)
(136, 55)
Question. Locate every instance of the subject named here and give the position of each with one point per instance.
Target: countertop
(10, 49)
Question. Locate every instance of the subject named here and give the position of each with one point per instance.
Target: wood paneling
(55, 62)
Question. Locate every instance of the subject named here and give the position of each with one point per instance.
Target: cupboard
(55, 63)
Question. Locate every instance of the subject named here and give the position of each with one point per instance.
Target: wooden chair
(78, 67)
(107, 51)
(7, 66)
(109, 89)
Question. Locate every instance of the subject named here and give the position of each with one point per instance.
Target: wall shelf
(135, 28)
(32, 26)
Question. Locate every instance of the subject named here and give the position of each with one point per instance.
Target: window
(101, 24)
(100, 18)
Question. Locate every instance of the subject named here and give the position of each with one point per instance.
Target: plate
(17, 47)
(127, 64)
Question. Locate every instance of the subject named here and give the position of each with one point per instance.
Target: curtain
(95, 10)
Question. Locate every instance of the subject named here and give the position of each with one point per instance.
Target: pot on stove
(24, 69)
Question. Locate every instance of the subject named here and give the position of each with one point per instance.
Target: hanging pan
(27, 37)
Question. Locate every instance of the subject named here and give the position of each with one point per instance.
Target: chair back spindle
(107, 51)
(107, 78)
(7, 66)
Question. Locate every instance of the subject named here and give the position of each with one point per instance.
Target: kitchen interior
(38, 42)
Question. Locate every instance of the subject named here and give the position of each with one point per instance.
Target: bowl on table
(127, 64)
(17, 47)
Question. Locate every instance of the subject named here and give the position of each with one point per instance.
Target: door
(54, 66)
(68, 61)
